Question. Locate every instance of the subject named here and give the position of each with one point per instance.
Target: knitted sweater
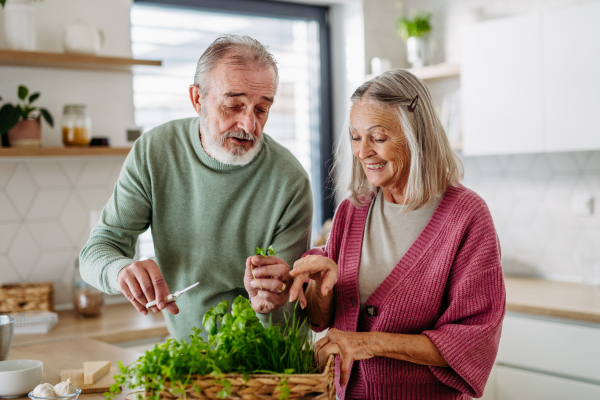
(448, 286)
(206, 218)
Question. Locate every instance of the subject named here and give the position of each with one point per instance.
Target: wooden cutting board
(76, 377)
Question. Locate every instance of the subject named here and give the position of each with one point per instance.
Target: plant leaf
(2, 2)
(34, 97)
(23, 92)
(9, 117)
(47, 116)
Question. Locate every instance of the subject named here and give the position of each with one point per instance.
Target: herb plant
(237, 343)
(417, 26)
(11, 114)
(261, 252)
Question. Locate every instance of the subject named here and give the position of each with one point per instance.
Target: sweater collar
(208, 160)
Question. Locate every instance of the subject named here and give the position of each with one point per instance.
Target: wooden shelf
(438, 71)
(63, 151)
(432, 72)
(69, 61)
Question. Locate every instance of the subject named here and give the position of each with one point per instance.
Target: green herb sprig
(237, 343)
(417, 26)
(261, 252)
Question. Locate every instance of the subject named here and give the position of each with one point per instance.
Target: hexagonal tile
(8, 274)
(581, 158)
(23, 252)
(95, 173)
(524, 187)
(561, 187)
(7, 234)
(114, 176)
(6, 170)
(94, 199)
(541, 170)
(48, 204)
(72, 169)
(49, 235)
(51, 266)
(521, 164)
(48, 174)
(21, 189)
(490, 165)
(562, 162)
(562, 242)
(523, 213)
(74, 218)
(593, 162)
(7, 211)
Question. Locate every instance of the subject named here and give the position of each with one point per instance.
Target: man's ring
(282, 288)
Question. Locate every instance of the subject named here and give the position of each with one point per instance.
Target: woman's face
(380, 145)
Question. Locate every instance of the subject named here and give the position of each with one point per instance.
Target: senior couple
(409, 282)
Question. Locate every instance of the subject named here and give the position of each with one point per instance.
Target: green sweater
(206, 218)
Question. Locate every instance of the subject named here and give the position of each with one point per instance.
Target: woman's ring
(282, 288)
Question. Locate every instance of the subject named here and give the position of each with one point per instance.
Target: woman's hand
(267, 281)
(322, 270)
(351, 346)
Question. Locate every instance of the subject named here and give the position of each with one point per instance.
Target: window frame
(324, 140)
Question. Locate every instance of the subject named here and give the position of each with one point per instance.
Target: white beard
(238, 155)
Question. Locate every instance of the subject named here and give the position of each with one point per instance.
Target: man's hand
(273, 276)
(142, 282)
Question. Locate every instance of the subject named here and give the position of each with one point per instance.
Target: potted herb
(20, 123)
(415, 32)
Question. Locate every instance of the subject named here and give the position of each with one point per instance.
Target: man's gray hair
(433, 164)
(238, 50)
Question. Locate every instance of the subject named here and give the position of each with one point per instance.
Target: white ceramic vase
(417, 51)
(19, 24)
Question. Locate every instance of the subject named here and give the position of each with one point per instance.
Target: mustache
(238, 134)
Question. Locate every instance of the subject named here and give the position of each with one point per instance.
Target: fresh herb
(418, 25)
(261, 252)
(237, 343)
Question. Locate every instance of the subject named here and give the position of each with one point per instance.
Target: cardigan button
(371, 311)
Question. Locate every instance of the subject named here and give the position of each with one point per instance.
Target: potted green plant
(20, 123)
(415, 32)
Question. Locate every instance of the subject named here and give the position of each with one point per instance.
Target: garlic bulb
(65, 388)
(44, 390)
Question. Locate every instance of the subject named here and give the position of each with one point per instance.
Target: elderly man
(213, 188)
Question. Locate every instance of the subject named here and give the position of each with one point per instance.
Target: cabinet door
(516, 384)
(501, 84)
(571, 54)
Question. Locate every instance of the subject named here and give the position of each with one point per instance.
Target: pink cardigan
(448, 286)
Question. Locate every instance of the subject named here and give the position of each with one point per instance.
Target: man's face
(235, 111)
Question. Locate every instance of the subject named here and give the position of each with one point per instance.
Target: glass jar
(76, 125)
(87, 300)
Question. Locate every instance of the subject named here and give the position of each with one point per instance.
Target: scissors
(174, 296)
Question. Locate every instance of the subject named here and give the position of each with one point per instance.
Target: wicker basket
(27, 297)
(261, 387)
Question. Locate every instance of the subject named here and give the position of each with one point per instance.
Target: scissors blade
(186, 289)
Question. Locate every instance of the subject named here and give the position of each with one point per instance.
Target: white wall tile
(23, 252)
(7, 234)
(48, 204)
(593, 162)
(21, 189)
(96, 173)
(49, 235)
(8, 274)
(562, 162)
(51, 266)
(74, 218)
(94, 198)
(72, 169)
(521, 164)
(6, 170)
(48, 174)
(7, 211)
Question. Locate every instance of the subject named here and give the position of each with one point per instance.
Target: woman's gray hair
(237, 50)
(433, 165)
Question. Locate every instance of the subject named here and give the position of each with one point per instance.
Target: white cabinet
(501, 86)
(531, 83)
(571, 67)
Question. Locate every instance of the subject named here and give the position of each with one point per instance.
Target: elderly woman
(409, 281)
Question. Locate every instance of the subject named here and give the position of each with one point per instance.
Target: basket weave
(27, 297)
(262, 387)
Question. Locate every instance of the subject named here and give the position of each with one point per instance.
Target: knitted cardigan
(448, 286)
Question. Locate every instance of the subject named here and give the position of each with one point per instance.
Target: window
(296, 35)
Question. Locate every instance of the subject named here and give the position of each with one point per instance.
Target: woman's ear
(196, 98)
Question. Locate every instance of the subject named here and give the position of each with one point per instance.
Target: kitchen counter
(70, 354)
(118, 323)
(555, 299)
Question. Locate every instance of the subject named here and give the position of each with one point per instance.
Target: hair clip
(413, 104)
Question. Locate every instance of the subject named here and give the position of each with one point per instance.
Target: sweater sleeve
(468, 332)
(111, 245)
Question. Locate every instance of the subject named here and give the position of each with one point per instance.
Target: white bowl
(19, 377)
(73, 396)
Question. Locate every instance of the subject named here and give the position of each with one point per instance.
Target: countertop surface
(555, 299)
(70, 354)
(118, 323)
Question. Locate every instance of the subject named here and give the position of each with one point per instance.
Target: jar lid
(73, 108)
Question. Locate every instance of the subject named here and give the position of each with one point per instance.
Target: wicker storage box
(27, 297)
(261, 387)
